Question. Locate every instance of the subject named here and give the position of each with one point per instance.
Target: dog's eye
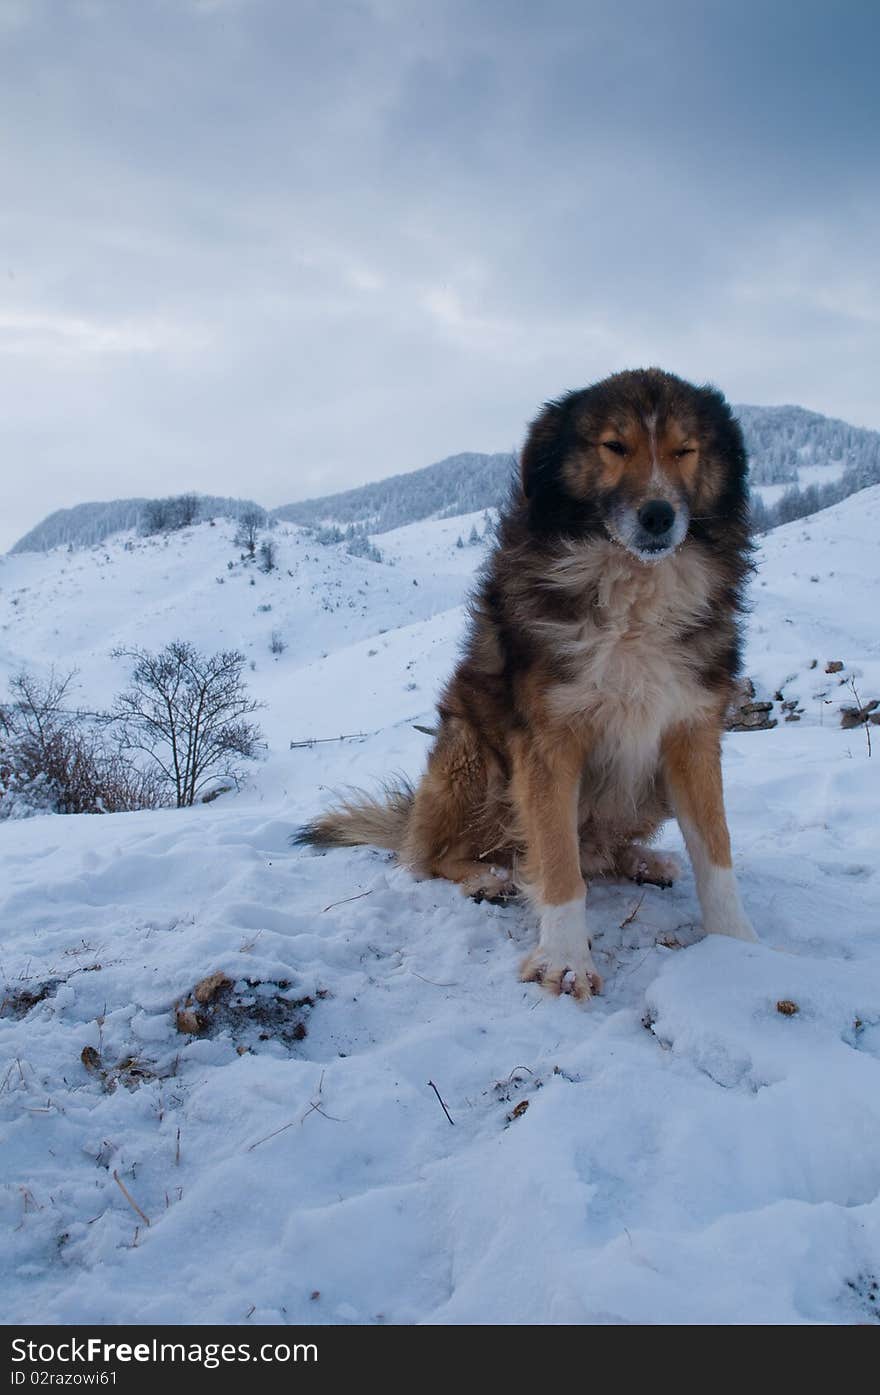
(685, 450)
(617, 447)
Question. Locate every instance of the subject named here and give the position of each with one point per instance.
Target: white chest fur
(631, 675)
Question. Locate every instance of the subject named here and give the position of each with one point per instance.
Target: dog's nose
(656, 517)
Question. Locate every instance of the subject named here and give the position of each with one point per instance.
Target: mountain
(825, 460)
(82, 525)
(87, 524)
(783, 441)
(459, 484)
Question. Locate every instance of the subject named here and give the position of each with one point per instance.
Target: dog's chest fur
(629, 674)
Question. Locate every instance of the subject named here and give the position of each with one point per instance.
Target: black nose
(656, 517)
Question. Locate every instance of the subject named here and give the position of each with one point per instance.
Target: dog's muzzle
(652, 531)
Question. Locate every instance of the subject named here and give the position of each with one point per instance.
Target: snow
(688, 1152)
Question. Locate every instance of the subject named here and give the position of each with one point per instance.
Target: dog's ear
(541, 456)
(723, 430)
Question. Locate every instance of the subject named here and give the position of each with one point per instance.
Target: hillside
(679, 1151)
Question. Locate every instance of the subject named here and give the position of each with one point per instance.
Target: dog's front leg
(692, 768)
(546, 790)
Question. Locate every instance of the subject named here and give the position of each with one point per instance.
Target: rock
(857, 716)
(745, 714)
(834, 666)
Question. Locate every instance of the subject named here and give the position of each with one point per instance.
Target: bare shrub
(250, 521)
(188, 713)
(62, 760)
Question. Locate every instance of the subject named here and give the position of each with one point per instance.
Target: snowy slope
(71, 609)
(687, 1154)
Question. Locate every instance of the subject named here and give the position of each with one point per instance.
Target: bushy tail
(362, 818)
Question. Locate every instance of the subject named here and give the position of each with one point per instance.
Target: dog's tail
(362, 818)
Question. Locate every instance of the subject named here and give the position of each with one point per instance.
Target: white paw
(562, 962)
(723, 911)
(580, 979)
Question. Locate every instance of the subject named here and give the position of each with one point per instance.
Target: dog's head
(643, 457)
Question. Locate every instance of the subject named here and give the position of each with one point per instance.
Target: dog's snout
(656, 517)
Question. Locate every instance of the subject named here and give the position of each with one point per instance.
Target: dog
(601, 655)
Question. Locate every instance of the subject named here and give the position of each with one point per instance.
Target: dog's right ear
(541, 456)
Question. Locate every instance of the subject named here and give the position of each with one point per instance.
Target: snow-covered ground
(680, 1150)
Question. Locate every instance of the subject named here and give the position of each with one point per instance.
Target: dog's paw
(492, 884)
(647, 867)
(498, 895)
(580, 979)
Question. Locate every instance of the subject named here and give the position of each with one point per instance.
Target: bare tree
(268, 556)
(188, 712)
(250, 521)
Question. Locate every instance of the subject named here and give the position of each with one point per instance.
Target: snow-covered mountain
(789, 448)
(784, 442)
(681, 1150)
(458, 485)
(87, 524)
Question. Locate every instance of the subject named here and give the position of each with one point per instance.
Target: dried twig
(852, 684)
(251, 1146)
(346, 899)
(442, 1105)
(129, 1198)
(633, 913)
(315, 1106)
(515, 1069)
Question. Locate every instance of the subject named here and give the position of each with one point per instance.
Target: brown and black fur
(589, 699)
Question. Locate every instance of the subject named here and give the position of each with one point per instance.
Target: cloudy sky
(279, 247)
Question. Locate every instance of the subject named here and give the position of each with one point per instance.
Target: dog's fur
(588, 703)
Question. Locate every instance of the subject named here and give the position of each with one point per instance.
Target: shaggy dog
(601, 656)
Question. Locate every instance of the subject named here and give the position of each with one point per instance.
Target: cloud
(279, 249)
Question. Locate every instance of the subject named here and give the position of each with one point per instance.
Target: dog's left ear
(723, 429)
(541, 455)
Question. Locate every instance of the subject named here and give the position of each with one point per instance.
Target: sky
(276, 248)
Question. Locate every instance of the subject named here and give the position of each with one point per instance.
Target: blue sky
(275, 249)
